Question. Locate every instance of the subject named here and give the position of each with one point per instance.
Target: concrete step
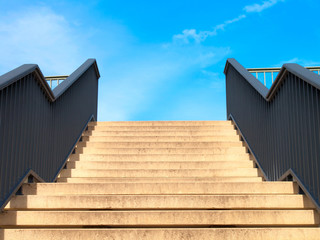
(160, 157)
(161, 188)
(160, 123)
(216, 133)
(111, 180)
(220, 150)
(158, 165)
(234, 138)
(236, 172)
(161, 128)
(160, 144)
(144, 177)
(136, 202)
(307, 233)
(153, 218)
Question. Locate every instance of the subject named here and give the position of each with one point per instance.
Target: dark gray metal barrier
(39, 127)
(280, 125)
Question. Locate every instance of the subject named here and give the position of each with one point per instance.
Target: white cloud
(260, 7)
(38, 35)
(228, 22)
(132, 74)
(192, 35)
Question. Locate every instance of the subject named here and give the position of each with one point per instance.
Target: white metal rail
(270, 73)
(55, 79)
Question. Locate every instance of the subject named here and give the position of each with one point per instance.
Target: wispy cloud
(256, 7)
(192, 35)
(132, 74)
(38, 35)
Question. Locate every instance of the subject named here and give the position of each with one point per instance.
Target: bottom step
(172, 218)
(165, 233)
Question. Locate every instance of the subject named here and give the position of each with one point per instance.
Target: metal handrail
(266, 71)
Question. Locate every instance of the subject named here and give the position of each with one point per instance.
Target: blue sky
(159, 60)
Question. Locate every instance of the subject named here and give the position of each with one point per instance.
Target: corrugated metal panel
(38, 127)
(282, 125)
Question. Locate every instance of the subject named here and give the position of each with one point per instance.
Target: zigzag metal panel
(282, 125)
(39, 127)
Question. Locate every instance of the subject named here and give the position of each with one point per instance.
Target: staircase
(160, 180)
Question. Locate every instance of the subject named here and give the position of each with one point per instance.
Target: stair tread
(161, 138)
(204, 133)
(160, 157)
(231, 233)
(158, 179)
(158, 164)
(180, 179)
(162, 188)
(160, 202)
(220, 150)
(159, 172)
(124, 144)
(161, 218)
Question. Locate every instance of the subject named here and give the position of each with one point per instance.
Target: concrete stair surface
(160, 180)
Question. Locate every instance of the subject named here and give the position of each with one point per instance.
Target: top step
(162, 123)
